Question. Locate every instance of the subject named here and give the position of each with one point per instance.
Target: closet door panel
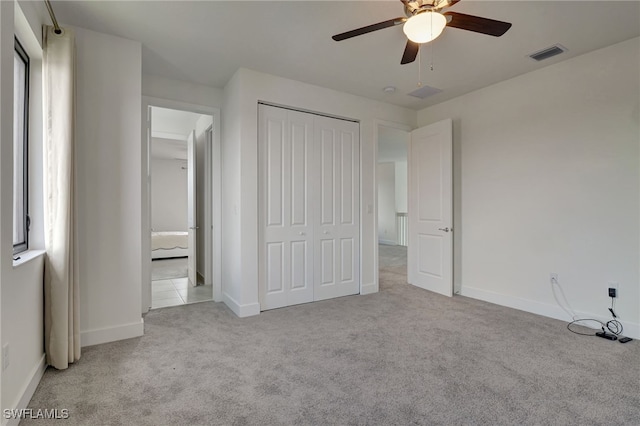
(275, 171)
(299, 171)
(338, 269)
(327, 175)
(285, 252)
(347, 259)
(347, 189)
(299, 219)
(275, 268)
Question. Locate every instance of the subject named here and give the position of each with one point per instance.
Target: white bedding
(168, 240)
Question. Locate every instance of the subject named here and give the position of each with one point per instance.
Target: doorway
(181, 187)
(392, 184)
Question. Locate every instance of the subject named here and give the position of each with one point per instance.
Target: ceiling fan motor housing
(414, 7)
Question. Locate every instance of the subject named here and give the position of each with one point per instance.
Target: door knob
(194, 227)
(302, 233)
(325, 232)
(445, 229)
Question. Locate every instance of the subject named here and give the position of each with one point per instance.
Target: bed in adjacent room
(166, 244)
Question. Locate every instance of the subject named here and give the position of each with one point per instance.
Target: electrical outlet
(5, 356)
(612, 287)
(553, 278)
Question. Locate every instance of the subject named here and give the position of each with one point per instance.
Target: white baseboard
(631, 329)
(112, 334)
(241, 310)
(27, 393)
(368, 288)
(388, 242)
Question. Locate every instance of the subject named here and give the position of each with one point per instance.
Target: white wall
(240, 154)
(21, 291)
(392, 148)
(547, 180)
(6, 156)
(108, 197)
(392, 198)
(402, 191)
(168, 195)
(164, 88)
(387, 203)
(232, 273)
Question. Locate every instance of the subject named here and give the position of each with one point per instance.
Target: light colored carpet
(165, 269)
(403, 356)
(392, 261)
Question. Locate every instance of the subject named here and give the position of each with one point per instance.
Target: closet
(309, 207)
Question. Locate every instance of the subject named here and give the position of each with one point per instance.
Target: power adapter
(606, 335)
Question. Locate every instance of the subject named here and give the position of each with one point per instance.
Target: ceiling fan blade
(410, 52)
(369, 29)
(477, 24)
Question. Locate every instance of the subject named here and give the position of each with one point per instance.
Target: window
(21, 219)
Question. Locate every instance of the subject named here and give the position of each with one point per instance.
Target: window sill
(27, 256)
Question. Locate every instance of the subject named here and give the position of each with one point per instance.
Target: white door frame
(376, 126)
(192, 211)
(211, 164)
(213, 205)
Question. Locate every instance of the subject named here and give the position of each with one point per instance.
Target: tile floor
(175, 291)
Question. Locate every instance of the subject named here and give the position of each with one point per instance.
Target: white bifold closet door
(309, 207)
(337, 216)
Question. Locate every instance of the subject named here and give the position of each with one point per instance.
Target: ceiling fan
(425, 22)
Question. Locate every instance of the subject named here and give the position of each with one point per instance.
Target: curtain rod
(56, 27)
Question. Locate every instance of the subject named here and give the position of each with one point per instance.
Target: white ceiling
(172, 123)
(168, 149)
(205, 42)
(170, 129)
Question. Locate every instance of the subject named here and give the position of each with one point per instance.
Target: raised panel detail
(275, 139)
(275, 267)
(346, 259)
(430, 182)
(430, 252)
(327, 256)
(298, 265)
(298, 174)
(327, 190)
(346, 181)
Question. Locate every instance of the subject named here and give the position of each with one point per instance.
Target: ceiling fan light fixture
(424, 27)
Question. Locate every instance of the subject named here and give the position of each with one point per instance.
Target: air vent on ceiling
(548, 52)
(424, 92)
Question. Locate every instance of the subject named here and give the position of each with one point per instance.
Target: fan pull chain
(431, 56)
(431, 44)
(419, 69)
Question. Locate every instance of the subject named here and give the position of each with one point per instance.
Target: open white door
(430, 251)
(191, 206)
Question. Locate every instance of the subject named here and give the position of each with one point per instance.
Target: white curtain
(62, 299)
